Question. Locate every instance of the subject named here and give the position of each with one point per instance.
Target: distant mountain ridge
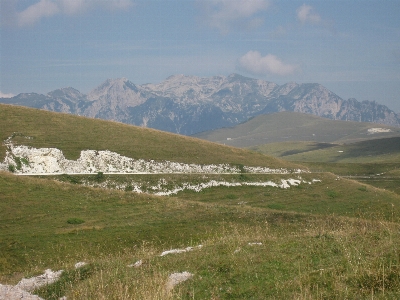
(189, 104)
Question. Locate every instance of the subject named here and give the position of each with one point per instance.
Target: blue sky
(350, 47)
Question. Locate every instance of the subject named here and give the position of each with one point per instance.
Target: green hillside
(72, 134)
(329, 237)
(376, 162)
(369, 151)
(291, 127)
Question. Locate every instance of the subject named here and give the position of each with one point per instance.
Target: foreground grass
(284, 256)
(308, 250)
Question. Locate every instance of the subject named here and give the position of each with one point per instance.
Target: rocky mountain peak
(113, 88)
(66, 93)
(190, 104)
(286, 88)
(183, 87)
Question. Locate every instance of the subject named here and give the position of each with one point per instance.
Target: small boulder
(176, 278)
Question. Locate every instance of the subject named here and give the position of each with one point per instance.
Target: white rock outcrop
(51, 161)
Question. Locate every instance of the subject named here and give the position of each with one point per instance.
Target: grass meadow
(337, 238)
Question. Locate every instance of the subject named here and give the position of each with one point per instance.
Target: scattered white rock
(174, 251)
(48, 277)
(176, 278)
(80, 264)
(285, 184)
(10, 292)
(378, 130)
(136, 264)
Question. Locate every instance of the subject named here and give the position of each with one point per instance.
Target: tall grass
(311, 258)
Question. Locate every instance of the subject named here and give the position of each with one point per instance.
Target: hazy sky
(352, 47)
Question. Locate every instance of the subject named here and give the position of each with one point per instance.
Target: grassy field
(335, 238)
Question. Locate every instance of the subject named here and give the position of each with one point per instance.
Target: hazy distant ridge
(190, 104)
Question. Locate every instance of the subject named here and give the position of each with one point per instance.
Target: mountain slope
(290, 126)
(72, 134)
(190, 104)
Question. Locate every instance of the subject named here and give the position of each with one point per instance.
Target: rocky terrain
(25, 160)
(190, 104)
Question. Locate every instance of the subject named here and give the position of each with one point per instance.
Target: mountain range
(189, 104)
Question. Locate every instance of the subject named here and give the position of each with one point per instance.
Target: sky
(350, 47)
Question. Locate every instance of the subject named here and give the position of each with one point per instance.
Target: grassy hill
(291, 127)
(329, 237)
(369, 151)
(344, 148)
(72, 134)
(376, 161)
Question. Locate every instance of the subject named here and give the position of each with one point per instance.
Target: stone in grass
(30, 284)
(176, 278)
(136, 264)
(80, 264)
(9, 292)
(180, 250)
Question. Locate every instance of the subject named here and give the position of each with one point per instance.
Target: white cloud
(306, 14)
(2, 95)
(256, 64)
(48, 8)
(223, 14)
(44, 8)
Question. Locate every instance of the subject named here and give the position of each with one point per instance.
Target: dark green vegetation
(333, 239)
